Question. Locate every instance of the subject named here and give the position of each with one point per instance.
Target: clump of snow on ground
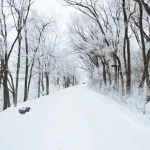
(73, 119)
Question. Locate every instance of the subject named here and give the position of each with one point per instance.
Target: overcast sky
(60, 13)
(54, 8)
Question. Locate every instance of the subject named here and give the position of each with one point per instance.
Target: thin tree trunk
(116, 75)
(18, 69)
(47, 83)
(27, 68)
(128, 82)
(104, 73)
(42, 84)
(6, 96)
(104, 69)
(119, 71)
(126, 47)
(145, 61)
(143, 76)
(39, 82)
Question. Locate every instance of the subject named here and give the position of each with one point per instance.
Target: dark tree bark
(18, 69)
(126, 50)
(145, 60)
(39, 80)
(6, 103)
(102, 59)
(4, 72)
(119, 71)
(42, 83)
(26, 67)
(145, 5)
(47, 83)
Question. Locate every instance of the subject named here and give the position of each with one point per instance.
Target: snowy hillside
(73, 119)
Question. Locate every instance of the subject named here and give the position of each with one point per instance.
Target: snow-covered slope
(73, 119)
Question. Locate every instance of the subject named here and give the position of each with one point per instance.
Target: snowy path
(73, 119)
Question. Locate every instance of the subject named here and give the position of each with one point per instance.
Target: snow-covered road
(73, 119)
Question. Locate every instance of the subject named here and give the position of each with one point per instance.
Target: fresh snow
(76, 118)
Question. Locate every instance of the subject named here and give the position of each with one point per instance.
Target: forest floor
(76, 118)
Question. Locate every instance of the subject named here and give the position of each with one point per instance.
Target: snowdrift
(74, 119)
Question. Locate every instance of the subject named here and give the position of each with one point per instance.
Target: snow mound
(74, 119)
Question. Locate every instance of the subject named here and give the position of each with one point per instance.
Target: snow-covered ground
(74, 119)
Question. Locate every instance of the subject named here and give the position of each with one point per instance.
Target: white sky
(60, 13)
(63, 15)
(56, 9)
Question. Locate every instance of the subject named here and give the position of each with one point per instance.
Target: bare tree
(89, 8)
(4, 58)
(143, 36)
(20, 12)
(41, 30)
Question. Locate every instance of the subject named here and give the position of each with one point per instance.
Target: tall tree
(126, 48)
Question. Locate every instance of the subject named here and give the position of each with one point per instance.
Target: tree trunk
(47, 83)
(104, 73)
(42, 84)
(6, 96)
(39, 82)
(116, 84)
(27, 68)
(104, 69)
(18, 69)
(143, 76)
(126, 50)
(119, 71)
(145, 61)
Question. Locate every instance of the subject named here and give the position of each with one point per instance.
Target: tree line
(27, 47)
(112, 39)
